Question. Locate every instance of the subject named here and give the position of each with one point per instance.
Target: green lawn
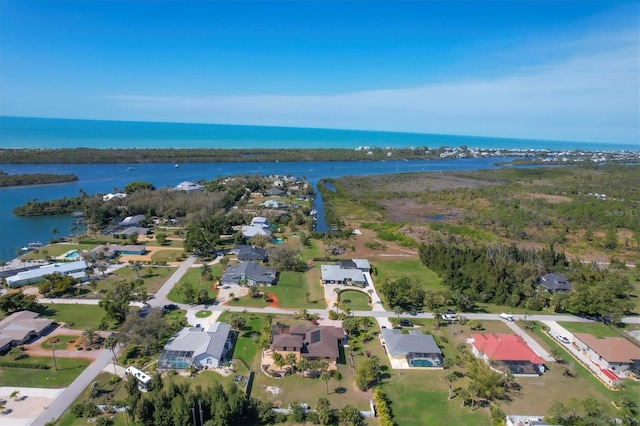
(68, 370)
(394, 269)
(290, 291)
(59, 341)
(597, 329)
(167, 256)
(153, 278)
(354, 300)
(193, 276)
(54, 250)
(78, 316)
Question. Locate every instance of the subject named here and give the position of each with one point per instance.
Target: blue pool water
(420, 363)
(277, 241)
(71, 255)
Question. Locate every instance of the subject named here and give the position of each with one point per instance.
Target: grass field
(153, 278)
(193, 276)
(68, 370)
(54, 250)
(76, 316)
(597, 329)
(290, 291)
(393, 269)
(354, 300)
(167, 256)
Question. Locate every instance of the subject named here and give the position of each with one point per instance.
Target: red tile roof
(505, 347)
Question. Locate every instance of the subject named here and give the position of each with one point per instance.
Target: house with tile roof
(609, 353)
(311, 342)
(197, 347)
(507, 351)
(21, 327)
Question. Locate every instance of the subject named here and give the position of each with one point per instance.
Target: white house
(260, 221)
(34, 276)
(609, 353)
(250, 231)
(197, 347)
(187, 186)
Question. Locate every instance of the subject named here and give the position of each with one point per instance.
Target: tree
(449, 379)
(111, 343)
(136, 267)
(146, 332)
(405, 293)
(56, 285)
(611, 238)
(89, 337)
(14, 395)
(206, 272)
(350, 416)
(367, 372)
(13, 302)
(398, 310)
(161, 238)
(116, 301)
(138, 186)
(325, 376)
(286, 258)
(237, 321)
(260, 240)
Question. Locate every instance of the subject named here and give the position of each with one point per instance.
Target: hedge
(37, 366)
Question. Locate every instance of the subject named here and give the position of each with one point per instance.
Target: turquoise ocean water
(20, 132)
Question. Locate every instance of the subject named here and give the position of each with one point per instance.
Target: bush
(85, 409)
(26, 365)
(444, 339)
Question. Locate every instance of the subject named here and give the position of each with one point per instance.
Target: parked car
(170, 307)
(449, 317)
(563, 339)
(507, 317)
(405, 323)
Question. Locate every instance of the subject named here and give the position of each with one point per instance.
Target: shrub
(38, 366)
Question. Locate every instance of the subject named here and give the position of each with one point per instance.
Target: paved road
(66, 398)
(160, 298)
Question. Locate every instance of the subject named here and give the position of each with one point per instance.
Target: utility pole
(53, 349)
(193, 413)
(200, 405)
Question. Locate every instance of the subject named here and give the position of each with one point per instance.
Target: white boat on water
(176, 165)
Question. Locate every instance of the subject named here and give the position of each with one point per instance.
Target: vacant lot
(597, 329)
(75, 316)
(68, 370)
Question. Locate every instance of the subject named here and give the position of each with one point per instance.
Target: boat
(176, 165)
(129, 169)
(34, 245)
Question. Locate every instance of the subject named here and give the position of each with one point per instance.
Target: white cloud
(587, 97)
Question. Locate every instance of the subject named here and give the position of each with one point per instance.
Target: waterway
(17, 232)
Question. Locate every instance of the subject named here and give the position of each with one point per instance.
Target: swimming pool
(73, 254)
(420, 363)
(277, 240)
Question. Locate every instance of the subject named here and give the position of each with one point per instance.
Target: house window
(284, 349)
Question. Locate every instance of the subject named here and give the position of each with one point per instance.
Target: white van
(507, 317)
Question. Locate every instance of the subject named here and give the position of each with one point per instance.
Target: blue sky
(559, 70)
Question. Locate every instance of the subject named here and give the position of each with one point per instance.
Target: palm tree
(290, 359)
(337, 306)
(463, 394)
(136, 267)
(269, 317)
(3, 405)
(398, 310)
(326, 376)
(205, 272)
(449, 379)
(338, 291)
(111, 343)
(89, 336)
(14, 395)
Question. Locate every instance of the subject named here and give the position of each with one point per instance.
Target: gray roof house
(187, 186)
(554, 282)
(334, 274)
(132, 220)
(362, 264)
(34, 276)
(197, 347)
(20, 327)
(246, 253)
(253, 273)
(275, 192)
(250, 231)
(420, 350)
